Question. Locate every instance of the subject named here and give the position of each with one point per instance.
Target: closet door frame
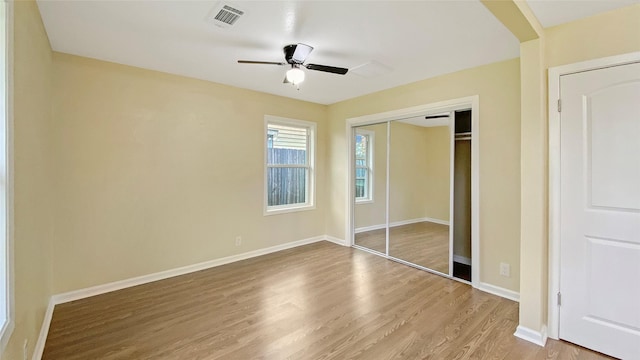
(471, 102)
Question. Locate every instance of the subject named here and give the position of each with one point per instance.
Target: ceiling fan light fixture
(295, 55)
(295, 75)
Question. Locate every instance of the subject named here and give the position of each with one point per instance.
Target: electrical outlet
(505, 269)
(25, 349)
(238, 240)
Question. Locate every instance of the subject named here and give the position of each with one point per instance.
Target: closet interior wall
(462, 196)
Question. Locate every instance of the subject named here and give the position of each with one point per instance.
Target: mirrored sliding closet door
(412, 191)
(419, 192)
(370, 174)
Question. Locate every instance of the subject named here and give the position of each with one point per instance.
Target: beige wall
(437, 184)
(533, 224)
(611, 33)
(407, 172)
(498, 86)
(32, 176)
(418, 172)
(156, 171)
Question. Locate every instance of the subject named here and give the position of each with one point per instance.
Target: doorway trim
(553, 316)
(470, 102)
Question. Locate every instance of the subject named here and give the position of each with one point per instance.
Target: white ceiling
(556, 12)
(407, 41)
(402, 41)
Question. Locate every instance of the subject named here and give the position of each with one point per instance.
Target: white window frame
(7, 315)
(369, 167)
(309, 204)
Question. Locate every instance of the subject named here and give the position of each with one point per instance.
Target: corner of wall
(31, 176)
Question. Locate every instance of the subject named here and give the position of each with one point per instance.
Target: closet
(462, 195)
(412, 191)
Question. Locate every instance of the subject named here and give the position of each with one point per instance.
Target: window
(289, 156)
(364, 166)
(6, 325)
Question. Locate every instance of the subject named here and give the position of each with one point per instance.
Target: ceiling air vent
(225, 15)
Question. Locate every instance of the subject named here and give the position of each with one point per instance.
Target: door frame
(555, 73)
(470, 102)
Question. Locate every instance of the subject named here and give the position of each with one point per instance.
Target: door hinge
(559, 299)
(559, 105)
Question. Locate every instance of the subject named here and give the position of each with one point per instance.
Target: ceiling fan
(295, 55)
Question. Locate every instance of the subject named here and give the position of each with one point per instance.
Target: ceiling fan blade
(325, 68)
(301, 53)
(261, 62)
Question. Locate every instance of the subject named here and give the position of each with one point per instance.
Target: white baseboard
(427, 219)
(38, 350)
(369, 228)
(400, 223)
(462, 259)
(122, 284)
(536, 337)
(499, 291)
(118, 285)
(336, 240)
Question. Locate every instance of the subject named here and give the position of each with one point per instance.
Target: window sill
(288, 209)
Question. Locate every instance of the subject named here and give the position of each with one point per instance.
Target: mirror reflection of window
(364, 165)
(369, 185)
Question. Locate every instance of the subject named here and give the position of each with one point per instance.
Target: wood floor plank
(319, 301)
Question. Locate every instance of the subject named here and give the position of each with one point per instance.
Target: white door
(600, 210)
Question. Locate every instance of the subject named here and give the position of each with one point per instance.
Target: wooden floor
(424, 243)
(320, 301)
